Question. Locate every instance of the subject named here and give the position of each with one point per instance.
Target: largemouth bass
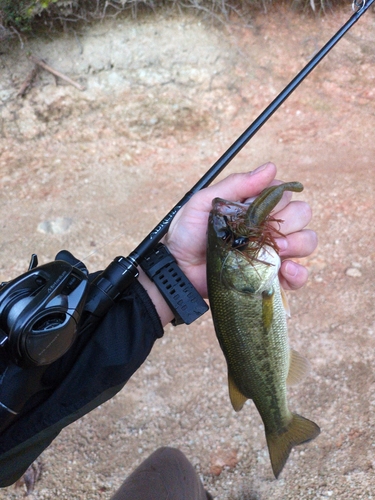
(249, 312)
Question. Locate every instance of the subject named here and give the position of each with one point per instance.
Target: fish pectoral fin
(236, 397)
(299, 368)
(300, 430)
(267, 308)
(285, 301)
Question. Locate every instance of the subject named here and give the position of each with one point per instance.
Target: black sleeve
(98, 366)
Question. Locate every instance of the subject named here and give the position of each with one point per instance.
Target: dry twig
(27, 83)
(45, 66)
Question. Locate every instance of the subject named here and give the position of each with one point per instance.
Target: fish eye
(240, 242)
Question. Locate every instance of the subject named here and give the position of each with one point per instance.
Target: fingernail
(259, 169)
(291, 269)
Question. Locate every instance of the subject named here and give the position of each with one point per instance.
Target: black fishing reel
(39, 315)
(40, 310)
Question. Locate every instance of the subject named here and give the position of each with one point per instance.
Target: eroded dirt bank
(94, 171)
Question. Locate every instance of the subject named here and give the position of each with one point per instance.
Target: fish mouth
(223, 213)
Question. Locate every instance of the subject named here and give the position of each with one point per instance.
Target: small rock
(353, 272)
(59, 225)
(222, 458)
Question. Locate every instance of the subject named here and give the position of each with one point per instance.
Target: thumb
(237, 187)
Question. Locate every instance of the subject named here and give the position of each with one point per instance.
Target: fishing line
(161, 229)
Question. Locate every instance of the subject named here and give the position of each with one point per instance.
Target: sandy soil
(94, 171)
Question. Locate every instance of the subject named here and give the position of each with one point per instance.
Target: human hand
(187, 236)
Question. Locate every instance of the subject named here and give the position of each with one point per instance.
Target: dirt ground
(93, 171)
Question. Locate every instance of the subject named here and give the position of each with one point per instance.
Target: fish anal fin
(299, 368)
(300, 430)
(236, 397)
(285, 301)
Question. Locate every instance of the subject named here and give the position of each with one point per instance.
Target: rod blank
(161, 229)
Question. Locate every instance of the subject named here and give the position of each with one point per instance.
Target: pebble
(353, 272)
(59, 225)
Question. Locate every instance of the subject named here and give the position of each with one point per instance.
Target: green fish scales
(249, 312)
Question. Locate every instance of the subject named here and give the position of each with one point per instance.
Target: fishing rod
(161, 229)
(129, 265)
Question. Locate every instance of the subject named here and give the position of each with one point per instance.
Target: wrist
(182, 298)
(165, 313)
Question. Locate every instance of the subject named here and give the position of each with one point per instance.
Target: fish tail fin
(300, 430)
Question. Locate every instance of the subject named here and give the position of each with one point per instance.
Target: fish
(249, 311)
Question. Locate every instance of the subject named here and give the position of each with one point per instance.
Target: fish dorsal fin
(284, 298)
(299, 367)
(236, 397)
